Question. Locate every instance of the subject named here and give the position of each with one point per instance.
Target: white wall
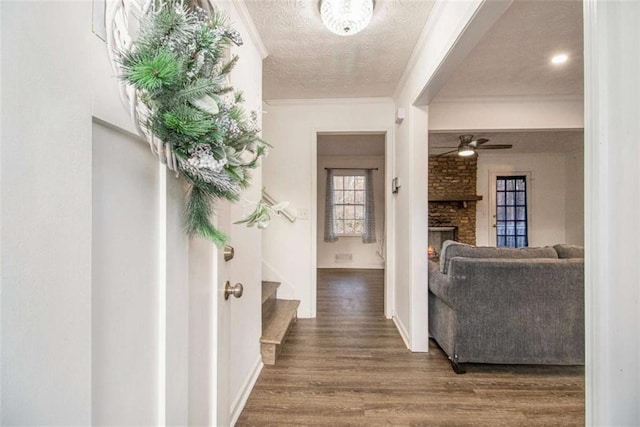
(506, 113)
(574, 197)
(176, 271)
(289, 173)
(364, 255)
(612, 207)
(546, 190)
(125, 280)
(156, 298)
(56, 80)
(45, 190)
(451, 24)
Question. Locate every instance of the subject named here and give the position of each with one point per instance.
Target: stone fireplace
(452, 201)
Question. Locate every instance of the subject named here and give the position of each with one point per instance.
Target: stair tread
(268, 289)
(276, 328)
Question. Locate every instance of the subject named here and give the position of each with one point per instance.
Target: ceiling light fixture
(346, 17)
(465, 150)
(561, 58)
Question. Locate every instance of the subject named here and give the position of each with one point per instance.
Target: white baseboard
(241, 398)
(402, 330)
(347, 265)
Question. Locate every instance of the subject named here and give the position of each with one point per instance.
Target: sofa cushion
(569, 251)
(452, 249)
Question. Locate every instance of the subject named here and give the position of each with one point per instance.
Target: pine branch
(152, 71)
(223, 186)
(224, 90)
(228, 67)
(170, 22)
(197, 89)
(188, 121)
(197, 214)
(217, 19)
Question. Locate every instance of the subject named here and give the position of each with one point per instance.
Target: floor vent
(344, 257)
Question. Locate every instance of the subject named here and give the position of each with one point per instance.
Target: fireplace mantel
(467, 198)
(463, 199)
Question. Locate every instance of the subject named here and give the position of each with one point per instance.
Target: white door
(223, 304)
(233, 358)
(209, 329)
(221, 362)
(161, 327)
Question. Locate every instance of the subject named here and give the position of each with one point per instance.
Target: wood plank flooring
(349, 366)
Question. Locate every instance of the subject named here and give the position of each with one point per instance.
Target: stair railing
(268, 199)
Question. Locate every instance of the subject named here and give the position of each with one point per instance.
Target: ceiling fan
(468, 146)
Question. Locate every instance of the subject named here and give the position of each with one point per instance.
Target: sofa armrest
(439, 283)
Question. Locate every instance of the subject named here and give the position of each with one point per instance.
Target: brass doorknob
(235, 290)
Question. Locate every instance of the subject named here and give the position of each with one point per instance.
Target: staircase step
(276, 329)
(269, 289)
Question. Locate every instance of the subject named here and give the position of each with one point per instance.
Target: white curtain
(369, 229)
(330, 234)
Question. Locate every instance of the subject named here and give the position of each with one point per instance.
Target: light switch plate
(303, 213)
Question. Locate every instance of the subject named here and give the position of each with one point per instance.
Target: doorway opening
(351, 204)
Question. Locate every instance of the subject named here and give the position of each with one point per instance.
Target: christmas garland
(177, 65)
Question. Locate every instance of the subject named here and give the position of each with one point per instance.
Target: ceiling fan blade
(495, 147)
(446, 153)
(479, 141)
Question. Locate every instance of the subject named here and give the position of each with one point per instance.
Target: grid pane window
(349, 197)
(511, 211)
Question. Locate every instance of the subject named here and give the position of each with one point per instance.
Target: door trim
(493, 174)
(389, 271)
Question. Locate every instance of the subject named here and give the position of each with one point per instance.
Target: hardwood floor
(349, 366)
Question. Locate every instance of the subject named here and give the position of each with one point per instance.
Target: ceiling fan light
(346, 17)
(466, 151)
(560, 58)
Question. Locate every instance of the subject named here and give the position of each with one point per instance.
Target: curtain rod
(357, 169)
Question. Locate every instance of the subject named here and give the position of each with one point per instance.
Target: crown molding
(350, 157)
(509, 99)
(329, 101)
(246, 19)
(434, 15)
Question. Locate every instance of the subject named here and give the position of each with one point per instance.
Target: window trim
(354, 173)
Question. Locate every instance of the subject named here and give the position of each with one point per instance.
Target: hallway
(349, 366)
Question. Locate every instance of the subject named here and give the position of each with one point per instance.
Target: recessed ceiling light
(560, 58)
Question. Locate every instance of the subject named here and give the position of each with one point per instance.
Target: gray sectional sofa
(508, 306)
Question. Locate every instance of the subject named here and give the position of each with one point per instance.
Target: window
(511, 211)
(349, 204)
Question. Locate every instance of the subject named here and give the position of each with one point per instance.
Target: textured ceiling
(513, 59)
(525, 142)
(351, 145)
(308, 61)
